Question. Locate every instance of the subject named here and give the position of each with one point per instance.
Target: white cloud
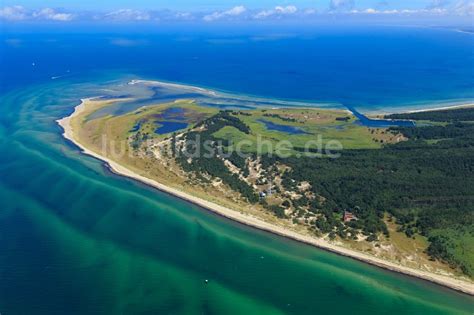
(15, 13)
(53, 15)
(437, 7)
(341, 5)
(375, 11)
(464, 7)
(19, 13)
(235, 11)
(184, 16)
(264, 14)
(278, 10)
(286, 10)
(390, 11)
(434, 8)
(128, 15)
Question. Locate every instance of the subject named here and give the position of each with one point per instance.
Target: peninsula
(295, 172)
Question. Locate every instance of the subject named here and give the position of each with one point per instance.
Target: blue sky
(209, 11)
(205, 4)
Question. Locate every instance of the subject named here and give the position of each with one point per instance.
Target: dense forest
(209, 162)
(450, 131)
(425, 184)
(460, 114)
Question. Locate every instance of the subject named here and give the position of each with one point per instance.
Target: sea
(78, 239)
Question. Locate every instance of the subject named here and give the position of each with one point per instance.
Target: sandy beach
(456, 284)
(468, 105)
(419, 108)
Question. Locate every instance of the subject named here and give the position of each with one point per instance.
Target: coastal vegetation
(428, 188)
(425, 184)
(388, 187)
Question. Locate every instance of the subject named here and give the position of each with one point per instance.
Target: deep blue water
(370, 68)
(282, 128)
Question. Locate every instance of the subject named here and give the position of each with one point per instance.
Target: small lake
(136, 127)
(174, 120)
(170, 126)
(173, 113)
(282, 128)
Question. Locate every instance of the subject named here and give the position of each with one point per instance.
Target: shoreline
(251, 221)
(459, 106)
(420, 108)
(242, 97)
(408, 108)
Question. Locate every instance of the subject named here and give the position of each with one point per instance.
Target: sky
(204, 4)
(209, 11)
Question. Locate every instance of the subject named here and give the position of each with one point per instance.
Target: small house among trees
(349, 216)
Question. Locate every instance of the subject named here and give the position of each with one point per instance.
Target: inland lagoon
(282, 128)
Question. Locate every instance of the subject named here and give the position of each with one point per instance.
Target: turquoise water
(77, 239)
